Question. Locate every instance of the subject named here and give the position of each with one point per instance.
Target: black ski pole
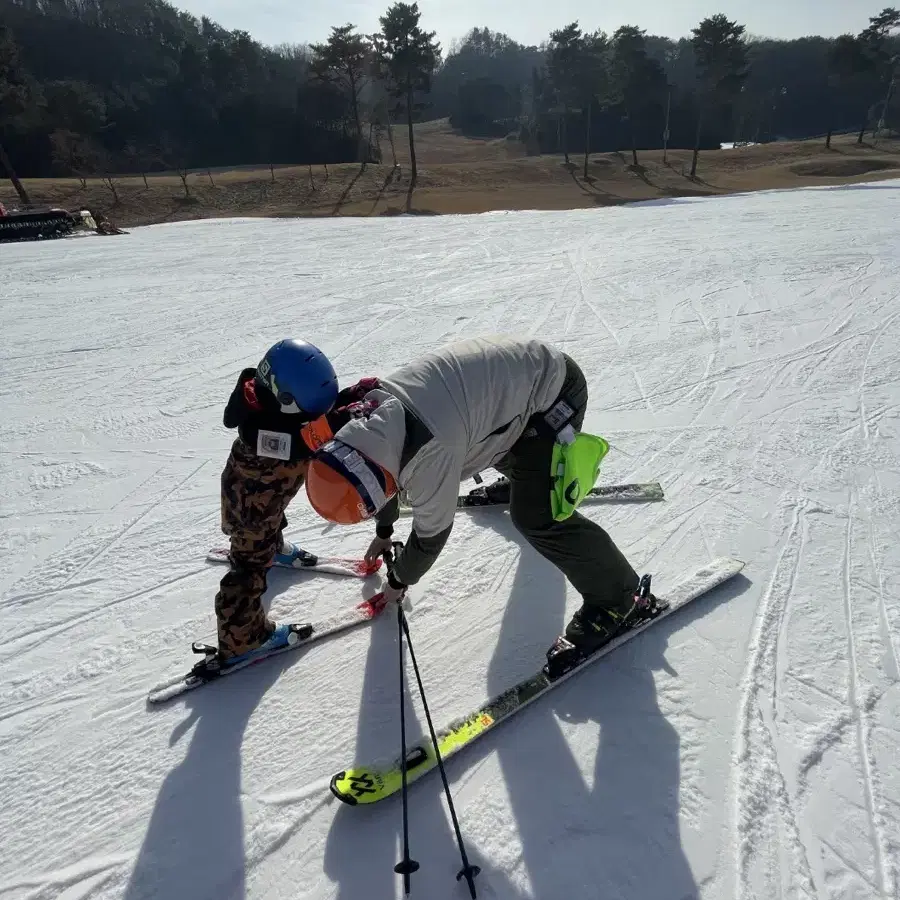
(468, 871)
(406, 866)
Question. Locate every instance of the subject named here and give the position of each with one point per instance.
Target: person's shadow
(584, 833)
(585, 829)
(365, 843)
(194, 844)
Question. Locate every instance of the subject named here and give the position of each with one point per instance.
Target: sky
(531, 21)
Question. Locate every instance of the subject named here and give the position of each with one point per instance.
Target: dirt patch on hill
(460, 175)
(843, 168)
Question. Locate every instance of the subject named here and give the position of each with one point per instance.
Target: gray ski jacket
(442, 419)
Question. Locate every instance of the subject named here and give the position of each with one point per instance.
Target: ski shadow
(361, 847)
(194, 843)
(364, 843)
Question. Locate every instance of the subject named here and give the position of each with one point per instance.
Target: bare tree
(109, 181)
(379, 123)
(75, 154)
(170, 157)
(11, 175)
(137, 160)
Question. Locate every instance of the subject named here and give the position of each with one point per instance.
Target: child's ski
(291, 636)
(309, 562)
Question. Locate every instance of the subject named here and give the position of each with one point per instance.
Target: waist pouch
(574, 466)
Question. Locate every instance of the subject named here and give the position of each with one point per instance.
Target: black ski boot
(494, 494)
(590, 630)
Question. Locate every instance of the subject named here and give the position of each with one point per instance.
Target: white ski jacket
(474, 399)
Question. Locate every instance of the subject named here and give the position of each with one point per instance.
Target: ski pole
(406, 866)
(468, 871)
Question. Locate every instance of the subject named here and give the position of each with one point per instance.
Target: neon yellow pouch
(574, 467)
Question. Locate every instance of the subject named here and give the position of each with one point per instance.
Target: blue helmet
(300, 377)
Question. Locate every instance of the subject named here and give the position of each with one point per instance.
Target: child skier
(283, 410)
(444, 418)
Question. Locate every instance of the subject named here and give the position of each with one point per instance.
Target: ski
(497, 494)
(309, 562)
(293, 636)
(370, 784)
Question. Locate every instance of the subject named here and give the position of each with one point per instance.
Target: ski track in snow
(744, 351)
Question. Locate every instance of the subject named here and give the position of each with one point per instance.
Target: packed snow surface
(744, 351)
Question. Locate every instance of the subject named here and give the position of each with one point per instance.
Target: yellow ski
(368, 784)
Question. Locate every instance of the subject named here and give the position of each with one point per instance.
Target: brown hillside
(465, 175)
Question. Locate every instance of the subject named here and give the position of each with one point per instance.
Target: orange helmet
(346, 487)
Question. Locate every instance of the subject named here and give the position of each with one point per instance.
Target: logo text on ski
(362, 784)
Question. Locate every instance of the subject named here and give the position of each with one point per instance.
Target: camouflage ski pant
(255, 493)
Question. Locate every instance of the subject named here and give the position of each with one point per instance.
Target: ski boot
(493, 494)
(586, 636)
(212, 664)
(293, 557)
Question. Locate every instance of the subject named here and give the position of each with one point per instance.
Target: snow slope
(745, 351)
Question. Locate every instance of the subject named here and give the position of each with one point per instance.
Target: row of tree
(88, 86)
(593, 91)
(92, 86)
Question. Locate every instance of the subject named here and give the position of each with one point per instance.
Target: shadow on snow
(617, 831)
(194, 844)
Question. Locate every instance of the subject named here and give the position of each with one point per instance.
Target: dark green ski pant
(580, 548)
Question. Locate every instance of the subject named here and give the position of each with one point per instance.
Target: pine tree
(720, 55)
(345, 60)
(408, 57)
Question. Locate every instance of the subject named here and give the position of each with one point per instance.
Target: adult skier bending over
(283, 410)
(447, 416)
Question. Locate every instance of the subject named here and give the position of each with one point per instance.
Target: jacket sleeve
(432, 488)
(236, 408)
(387, 516)
(418, 556)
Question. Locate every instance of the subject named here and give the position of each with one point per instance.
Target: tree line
(594, 92)
(93, 87)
